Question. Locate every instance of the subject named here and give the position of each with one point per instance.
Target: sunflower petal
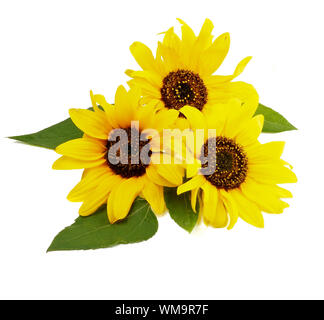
(170, 173)
(171, 58)
(214, 213)
(98, 195)
(192, 169)
(92, 123)
(265, 196)
(172, 40)
(217, 80)
(83, 149)
(67, 163)
(166, 118)
(90, 179)
(143, 55)
(154, 195)
(271, 173)
(145, 115)
(251, 131)
(193, 199)
(194, 116)
(119, 205)
(231, 208)
(148, 89)
(195, 182)
(188, 36)
(265, 153)
(153, 175)
(242, 91)
(93, 102)
(213, 57)
(204, 38)
(247, 210)
(90, 206)
(124, 106)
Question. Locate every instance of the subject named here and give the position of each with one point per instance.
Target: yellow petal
(231, 208)
(171, 173)
(192, 169)
(194, 194)
(188, 36)
(145, 115)
(241, 66)
(172, 40)
(146, 87)
(187, 43)
(265, 196)
(153, 175)
(151, 77)
(212, 58)
(110, 112)
(67, 163)
(182, 123)
(143, 55)
(204, 38)
(214, 213)
(242, 91)
(271, 173)
(154, 196)
(216, 116)
(265, 153)
(133, 97)
(210, 199)
(90, 179)
(165, 118)
(90, 206)
(195, 182)
(282, 193)
(83, 149)
(100, 100)
(93, 102)
(92, 123)
(121, 96)
(194, 116)
(251, 131)
(233, 116)
(119, 204)
(248, 211)
(221, 218)
(98, 195)
(171, 58)
(216, 80)
(237, 122)
(124, 107)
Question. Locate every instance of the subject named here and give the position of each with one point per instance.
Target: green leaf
(273, 121)
(180, 209)
(95, 231)
(52, 136)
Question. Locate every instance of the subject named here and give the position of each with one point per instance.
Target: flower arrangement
(182, 139)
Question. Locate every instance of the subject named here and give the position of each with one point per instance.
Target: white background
(53, 52)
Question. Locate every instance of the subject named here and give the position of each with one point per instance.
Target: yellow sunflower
(118, 183)
(246, 173)
(182, 71)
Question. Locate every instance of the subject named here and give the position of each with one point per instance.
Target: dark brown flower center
(133, 166)
(182, 88)
(231, 163)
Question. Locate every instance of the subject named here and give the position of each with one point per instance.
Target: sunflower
(112, 182)
(246, 173)
(182, 71)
